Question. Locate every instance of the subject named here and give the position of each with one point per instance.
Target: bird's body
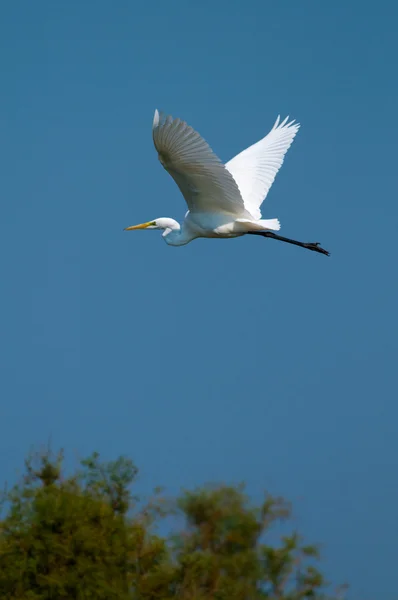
(207, 225)
(223, 200)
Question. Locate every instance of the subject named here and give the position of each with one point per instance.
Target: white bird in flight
(223, 200)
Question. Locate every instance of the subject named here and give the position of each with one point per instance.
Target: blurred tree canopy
(85, 536)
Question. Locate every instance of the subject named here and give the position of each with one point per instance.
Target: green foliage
(86, 537)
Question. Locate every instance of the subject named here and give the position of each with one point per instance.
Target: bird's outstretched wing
(205, 183)
(255, 169)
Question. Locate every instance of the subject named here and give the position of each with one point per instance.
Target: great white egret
(223, 200)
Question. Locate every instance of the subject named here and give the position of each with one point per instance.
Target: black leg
(315, 246)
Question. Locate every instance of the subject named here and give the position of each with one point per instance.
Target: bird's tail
(272, 224)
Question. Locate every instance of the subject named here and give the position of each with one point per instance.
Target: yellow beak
(141, 226)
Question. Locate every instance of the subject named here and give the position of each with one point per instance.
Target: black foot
(316, 247)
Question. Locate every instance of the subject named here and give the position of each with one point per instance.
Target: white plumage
(203, 180)
(223, 200)
(255, 169)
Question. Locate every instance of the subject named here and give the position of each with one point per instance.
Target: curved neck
(175, 235)
(172, 235)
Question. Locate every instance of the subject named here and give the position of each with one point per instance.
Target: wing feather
(255, 169)
(205, 183)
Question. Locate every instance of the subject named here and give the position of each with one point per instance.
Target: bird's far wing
(255, 169)
(205, 183)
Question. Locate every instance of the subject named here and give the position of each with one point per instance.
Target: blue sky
(231, 360)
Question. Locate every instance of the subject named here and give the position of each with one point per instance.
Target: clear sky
(227, 360)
